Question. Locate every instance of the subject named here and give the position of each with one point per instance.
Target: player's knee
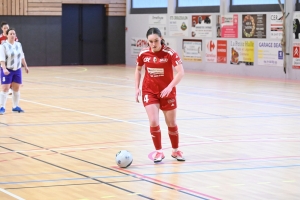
(171, 123)
(4, 88)
(154, 123)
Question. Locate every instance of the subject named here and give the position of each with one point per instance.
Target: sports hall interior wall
(41, 38)
(138, 24)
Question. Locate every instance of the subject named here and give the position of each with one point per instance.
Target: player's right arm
(138, 76)
(2, 60)
(139, 64)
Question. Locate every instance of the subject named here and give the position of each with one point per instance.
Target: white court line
(114, 119)
(11, 194)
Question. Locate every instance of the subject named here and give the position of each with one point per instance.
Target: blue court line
(220, 170)
(165, 165)
(241, 162)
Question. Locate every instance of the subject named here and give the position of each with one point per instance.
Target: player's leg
(10, 91)
(170, 118)
(5, 83)
(153, 116)
(16, 97)
(16, 84)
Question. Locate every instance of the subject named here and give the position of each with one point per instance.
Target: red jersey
(158, 68)
(3, 38)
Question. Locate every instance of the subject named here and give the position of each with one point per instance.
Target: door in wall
(83, 34)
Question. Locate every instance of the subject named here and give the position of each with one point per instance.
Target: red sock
(156, 137)
(174, 137)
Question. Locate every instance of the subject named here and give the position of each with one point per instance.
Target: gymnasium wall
(40, 38)
(38, 26)
(138, 24)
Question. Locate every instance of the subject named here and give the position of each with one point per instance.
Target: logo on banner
(280, 55)
(211, 46)
(296, 52)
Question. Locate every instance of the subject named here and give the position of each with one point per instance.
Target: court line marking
(109, 168)
(166, 183)
(110, 118)
(11, 194)
(228, 169)
(80, 174)
(144, 145)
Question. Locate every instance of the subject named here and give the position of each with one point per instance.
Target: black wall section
(83, 35)
(40, 38)
(116, 40)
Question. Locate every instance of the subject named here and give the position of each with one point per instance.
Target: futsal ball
(124, 159)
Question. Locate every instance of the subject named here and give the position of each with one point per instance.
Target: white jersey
(12, 55)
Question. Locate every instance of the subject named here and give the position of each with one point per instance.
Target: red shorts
(166, 103)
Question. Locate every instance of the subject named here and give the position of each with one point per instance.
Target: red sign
(221, 51)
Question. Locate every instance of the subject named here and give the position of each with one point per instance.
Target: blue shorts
(13, 76)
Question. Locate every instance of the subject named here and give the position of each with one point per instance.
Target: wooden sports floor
(240, 137)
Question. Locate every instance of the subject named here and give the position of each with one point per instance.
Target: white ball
(124, 158)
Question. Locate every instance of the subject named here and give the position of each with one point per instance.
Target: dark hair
(155, 31)
(10, 29)
(3, 23)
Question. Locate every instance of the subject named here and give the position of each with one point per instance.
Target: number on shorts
(146, 98)
(3, 79)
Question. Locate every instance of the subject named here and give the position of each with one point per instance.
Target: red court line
(166, 183)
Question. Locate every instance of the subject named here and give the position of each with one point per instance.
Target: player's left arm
(180, 73)
(25, 65)
(23, 60)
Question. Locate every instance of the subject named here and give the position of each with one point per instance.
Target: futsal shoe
(159, 157)
(2, 111)
(18, 109)
(178, 155)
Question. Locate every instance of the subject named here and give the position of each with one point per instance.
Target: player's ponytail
(157, 32)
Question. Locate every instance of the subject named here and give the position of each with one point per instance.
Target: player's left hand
(137, 94)
(26, 69)
(165, 92)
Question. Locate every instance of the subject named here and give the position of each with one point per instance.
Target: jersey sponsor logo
(156, 72)
(163, 60)
(147, 59)
(171, 101)
(155, 59)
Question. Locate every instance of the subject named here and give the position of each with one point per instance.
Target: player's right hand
(5, 71)
(137, 94)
